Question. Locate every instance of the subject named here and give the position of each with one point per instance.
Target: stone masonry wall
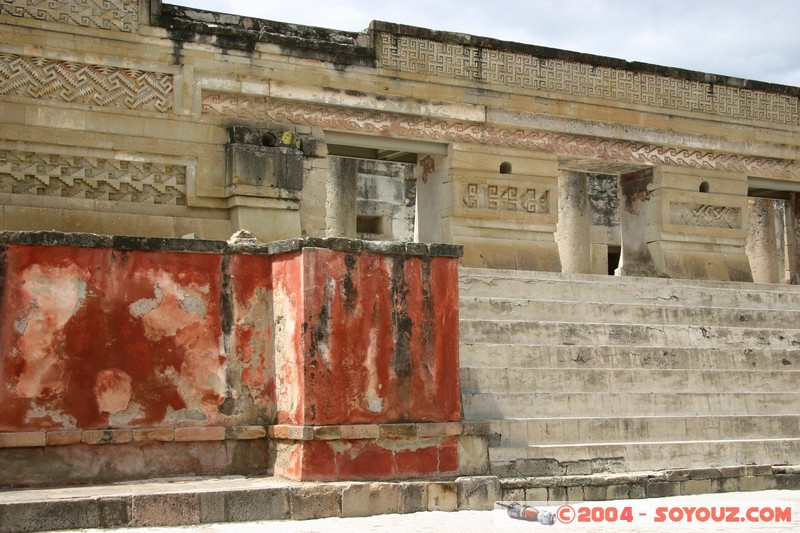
(136, 118)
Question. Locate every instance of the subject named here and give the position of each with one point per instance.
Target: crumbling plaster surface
(204, 348)
(97, 338)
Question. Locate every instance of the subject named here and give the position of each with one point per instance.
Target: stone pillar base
(377, 451)
(677, 260)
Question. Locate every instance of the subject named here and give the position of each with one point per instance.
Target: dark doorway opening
(614, 254)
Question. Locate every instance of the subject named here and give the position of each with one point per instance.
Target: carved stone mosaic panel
(122, 15)
(709, 216)
(499, 198)
(67, 81)
(514, 69)
(68, 176)
(261, 109)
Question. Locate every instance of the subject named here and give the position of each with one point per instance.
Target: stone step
(519, 309)
(199, 503)
(615, 289)
(615, 334)
(494, 406)
(649, 455)
(610, 381)
(516, 432)
(556, 483)
(596, 279)
(479, 354)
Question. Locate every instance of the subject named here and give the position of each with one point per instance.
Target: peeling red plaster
(352, 370)
(314, 336)
(52, 295)
(287, 275)
(172, 351)
(253, 343)
(112, 391)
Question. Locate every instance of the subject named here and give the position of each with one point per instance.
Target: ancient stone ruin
(454, 256)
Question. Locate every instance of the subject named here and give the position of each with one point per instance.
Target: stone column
(793, 238)
(762, 250)
(572, 233)
(635, 257)
(341, 193)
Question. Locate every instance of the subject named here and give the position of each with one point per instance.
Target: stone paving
(709, 512)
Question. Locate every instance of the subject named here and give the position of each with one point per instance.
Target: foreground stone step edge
(156, 504)
(196, 505)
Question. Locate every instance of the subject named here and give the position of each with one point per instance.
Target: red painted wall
(97, 338)
(224, 340)
(367, 338)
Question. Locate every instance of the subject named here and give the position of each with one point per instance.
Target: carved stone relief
(122, 15)
(517, 69)
(67, 81)
(68, 176)
(713, 216)
(482, 196)
(261, 109)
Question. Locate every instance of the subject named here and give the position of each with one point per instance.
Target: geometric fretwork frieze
(703, 215)
(485, 197)
(122, 15)
(259, 109)
(518, 69)
(68, 81)
(68, 176)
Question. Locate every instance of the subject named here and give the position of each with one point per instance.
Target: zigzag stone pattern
(517, 69)
(121, 15)
(68, 176)
(261, 108)
(67, 81)
(715, 216)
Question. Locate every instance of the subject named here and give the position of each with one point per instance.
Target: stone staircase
(582, 374)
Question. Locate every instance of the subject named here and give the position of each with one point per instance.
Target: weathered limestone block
(370, 199)
(502, 206)
(684, 223)
(265, 172)
(342, 193)
(793, 238)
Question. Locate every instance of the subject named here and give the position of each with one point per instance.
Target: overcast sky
(753, 39)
